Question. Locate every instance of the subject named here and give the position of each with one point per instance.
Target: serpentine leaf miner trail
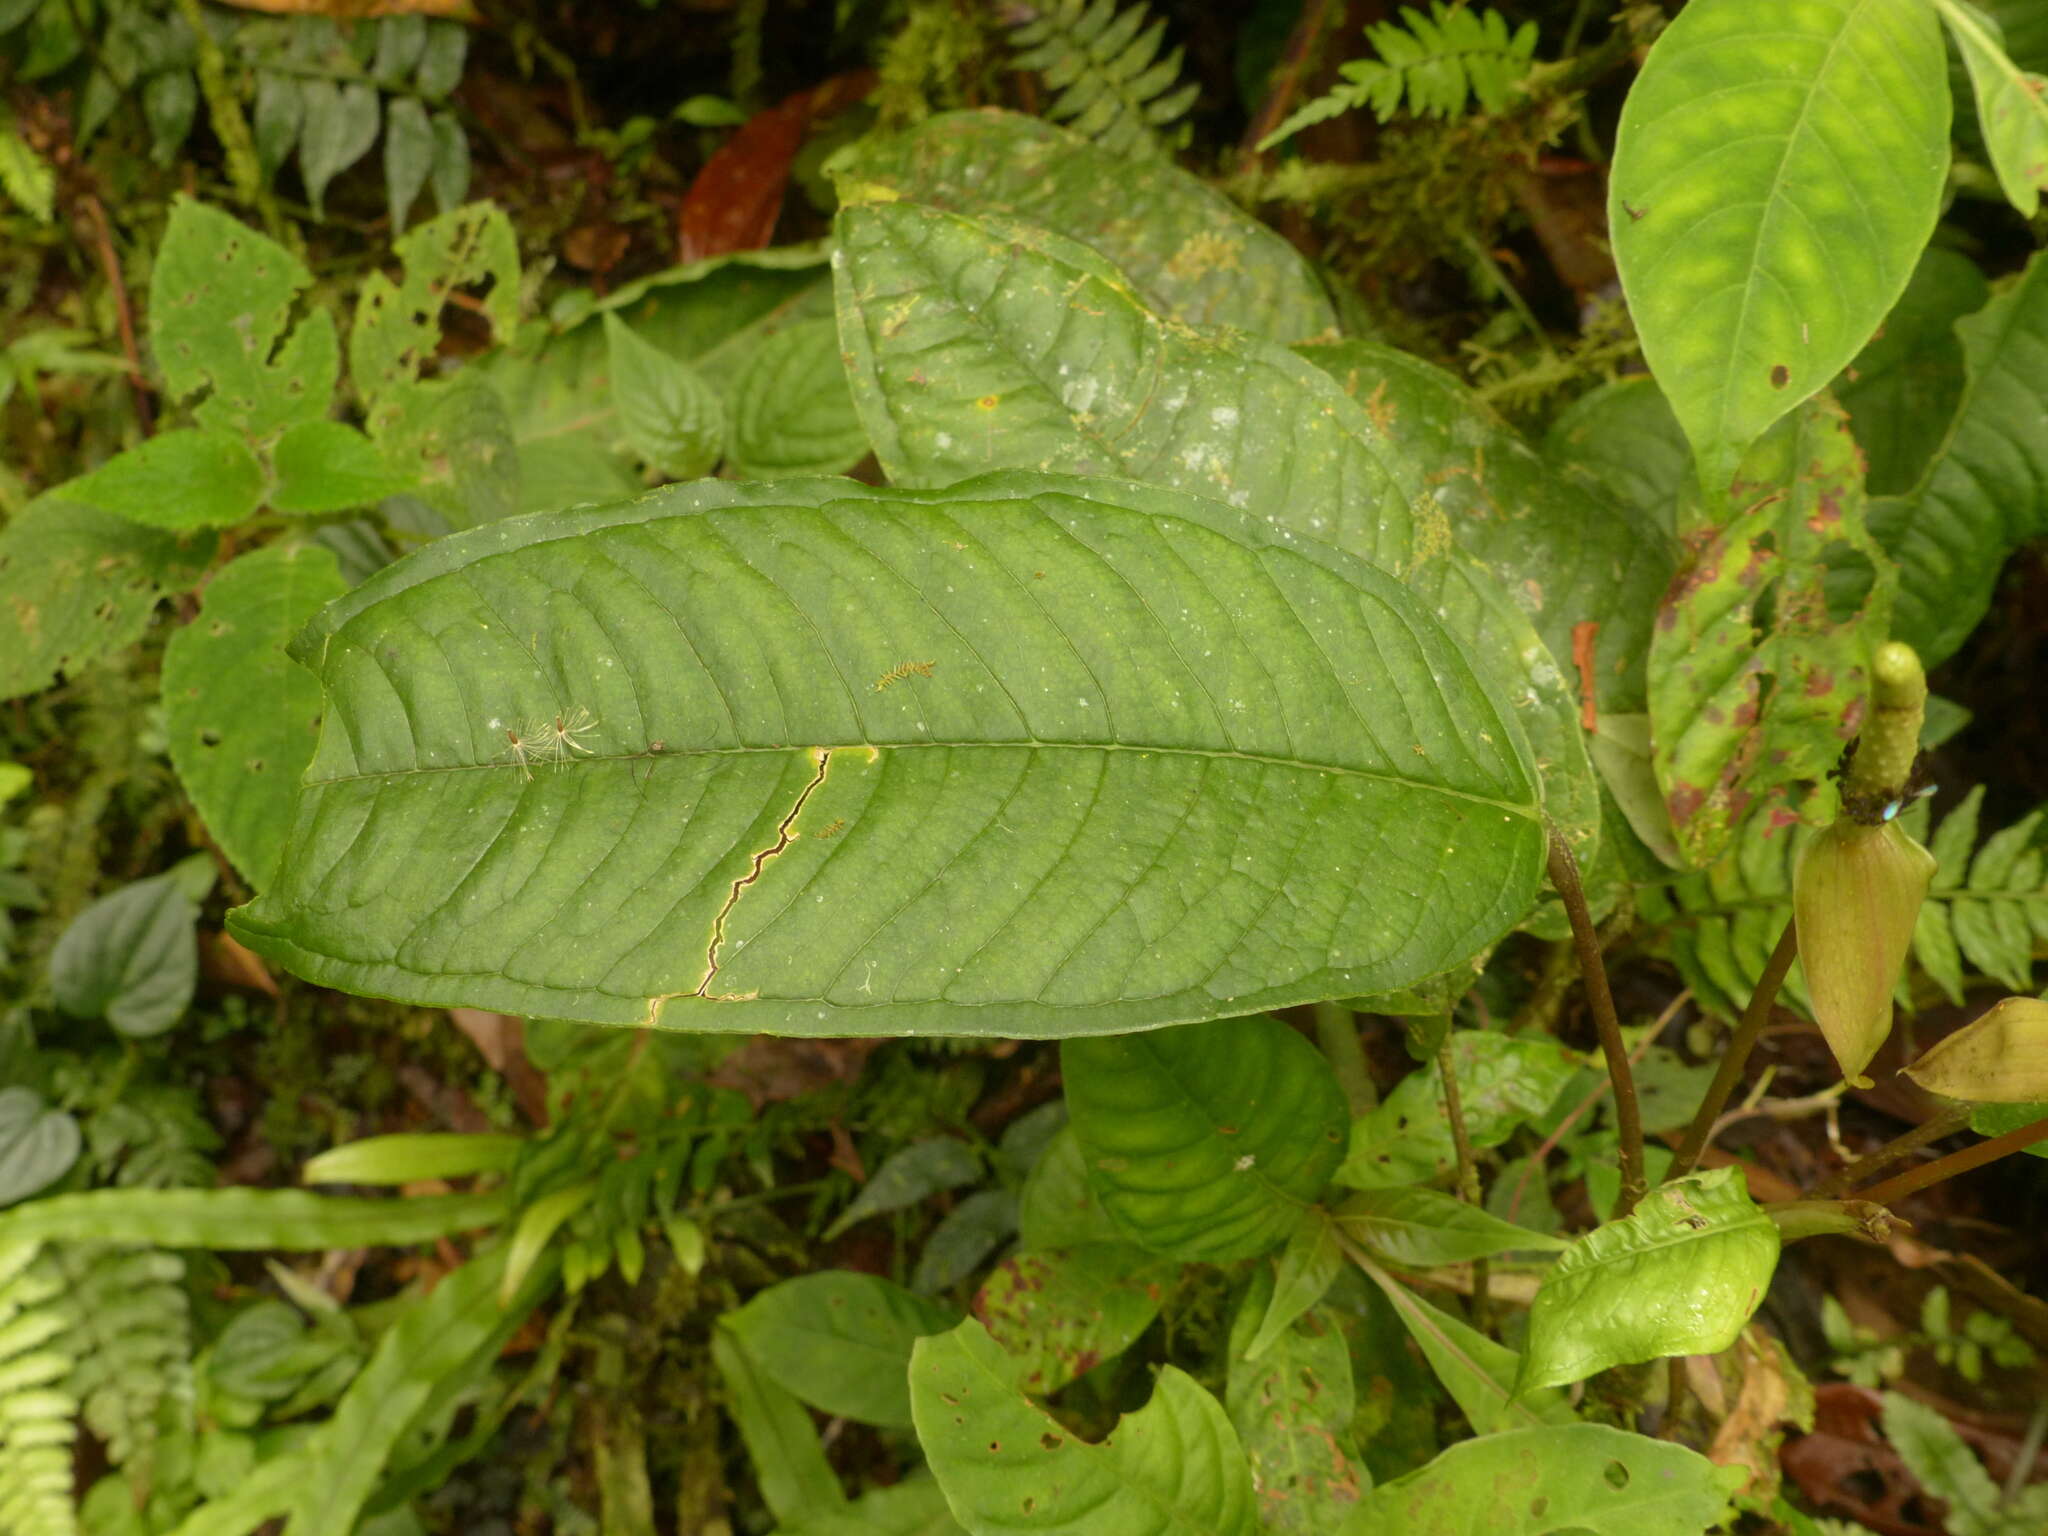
(760, 862)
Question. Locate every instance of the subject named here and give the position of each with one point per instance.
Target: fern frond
(38, 1417)
(1987, 908)
(132, 1339)
(1104, 62)
(1434, 63)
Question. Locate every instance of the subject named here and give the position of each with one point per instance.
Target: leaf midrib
(1031, 743)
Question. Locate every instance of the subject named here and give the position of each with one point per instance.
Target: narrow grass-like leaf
(1192, 254)
(1776, 172)
(1173, 1466)
(249, 1220)
(1027, 757)
(796, 1480)
(1208, 1142)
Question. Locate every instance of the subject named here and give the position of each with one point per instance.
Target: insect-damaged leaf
(1760, 661)
(1029, 756)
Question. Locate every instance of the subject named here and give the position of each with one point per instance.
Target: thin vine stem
(1628, 1119)
(1736, 1056)
(1468, 1169)
(1911, 1182)
(1945, 1123)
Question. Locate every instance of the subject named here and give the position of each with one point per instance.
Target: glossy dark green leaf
(240, 715)
(1759, 672)
(1207, 1142)
(131, 958)
(840, 1341)
(1533, 1482)
(1679, 1277)
(1902, 390)
(1191, 253)
(38, 1143)
(1776, 173)
(1059, 1315)
(792, 413)
(966, 721)
(1292, 1407)
(1987, 489)
(76, 582)
(193, 477)
(1174, 1466)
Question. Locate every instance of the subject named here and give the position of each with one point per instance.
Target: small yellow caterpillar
(897, 673)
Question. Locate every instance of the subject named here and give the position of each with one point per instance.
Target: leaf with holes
(1208, 1142)
(840, 1341)
(1986, 491)
(1530, 1482)
(1776, 172)
(1192, 254)
(241, 716)
(1030, 757)
(1759, 670)
(1292, 1407)
(76, 582)
(1174, 1466)
(220, 302)
(1679, 1277)
(1059, 1315)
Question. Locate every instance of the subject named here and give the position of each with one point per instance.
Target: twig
(1736, 1056)
(124, 312)
(1628, 1120)
(1468, 1168)
(2023, 1464)
(1944, 1124)
(1337, 1034)
(1293, 65)
(1891, 1191)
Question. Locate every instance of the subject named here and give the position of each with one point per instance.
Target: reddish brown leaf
(736, 199)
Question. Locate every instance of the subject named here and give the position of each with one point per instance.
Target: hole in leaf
(1616, 1475)
(994, 1446)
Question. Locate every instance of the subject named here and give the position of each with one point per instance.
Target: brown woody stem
(1911, 1182)
(1628, 1120)
(1736, 1056)
(1945, 1123)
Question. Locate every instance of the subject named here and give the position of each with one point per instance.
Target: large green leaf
(1191, 253)
(240, 714)
(1679, 1277)
(1902, 390)
(1058, 1208)
(76, 582)
(1776, 172)
(1622, 439)
(1006, 1465)
(1292, 1408)
(840, 1341)
(1208, 1142)
(1987, 490)
(1059, 1315)
(979, 344)
(1025, 757)
(1759, 671)
(1568, 556)
(1533, 1482)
